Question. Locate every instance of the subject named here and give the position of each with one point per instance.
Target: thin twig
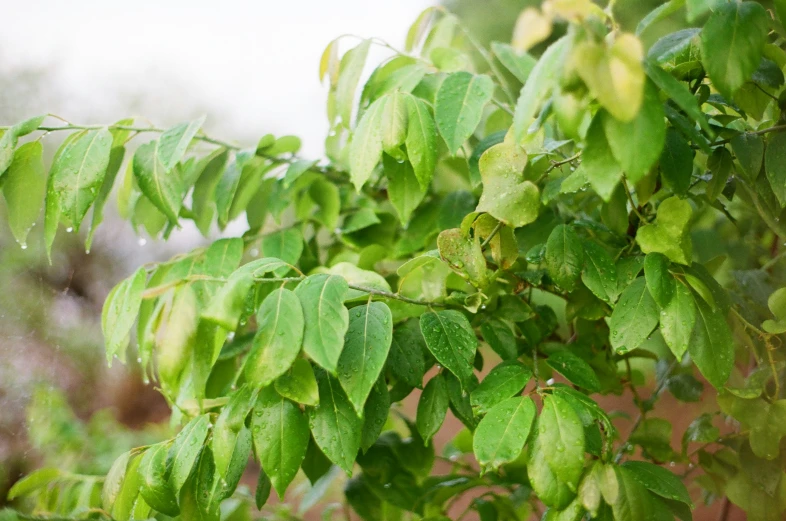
(494, 232)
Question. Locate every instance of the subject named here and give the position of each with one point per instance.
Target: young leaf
(35, 480)
(669, 234)
(286, 245)
(366, 345)
(506, 196)
(599, 165)
(559, 428)
(24, 188)
(299, 384)
(280, 432)
(502, 433)
(335, 426)
(326, 318)
(504, 381)
(459, 106)
(78, 171)
(634, 317)
(349, 74)
(120, 310)
(404, 190)
(637, 144)
(174, 142)
(365, 149)
(564, 256)
(731, 44)
(451, 340)
(432, 407)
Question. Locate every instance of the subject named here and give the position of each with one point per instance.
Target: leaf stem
(494, 232)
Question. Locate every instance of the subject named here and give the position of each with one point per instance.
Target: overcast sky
(252, 66)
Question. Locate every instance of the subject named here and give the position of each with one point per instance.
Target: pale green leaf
(452, 341)
(335, 426)
(326, 318)
(299, 383)
(24, 189)
(634, 317)
(119, 313)
(506, 195)
(501, 434)
(459, 106)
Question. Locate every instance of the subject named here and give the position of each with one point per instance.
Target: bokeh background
(252, 68)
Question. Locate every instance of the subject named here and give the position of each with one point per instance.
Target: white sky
(251, 66)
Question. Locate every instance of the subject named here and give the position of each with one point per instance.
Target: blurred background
(252, 68)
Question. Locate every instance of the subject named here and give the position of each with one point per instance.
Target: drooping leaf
(564, 256)
(710, 345)
(502, 433)
(175, 141)
(459, 106)
(349, 74)
(334, 424)
(634, 317)
(599, 273)
(451, 340)
(184, 451)
(406, 358)
(326, 318)
(24, 189)
(78, 171)
(432, 407)
(163, 187)
(775, 167)
(575, 369)
(599, 165)
(280, 432)
(119, 313)
(299, 383)
(421, 140)
(731, 44)
(504, 381)
(660, 283)
(676, 162)
(366, 345)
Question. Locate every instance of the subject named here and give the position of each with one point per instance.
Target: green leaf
(775, 166)
(711, 346)
(299, 383)
(502, 433)
(464, 256)
(659, 480)
(278, 339)
(720, 164)
(506, 195)
(116, 156)
(365, 149)
(155, 489)
(600, 272)
(262, 492)
(598, 163)
(451, 340)
(421, 141)
(633, 501)
(498, 335)
(366, 345)
(459, 106)
(327, 320)
(731, 44)
(24, 189)
(164, 188)
(432, 407)
(197, 499)
(575, 369)
(335, 426)
(520, 64)
(375, 414)
(174, 142)
(670, 233)
(280, 432)
(119, 313)
(697, 8)
(184, 451)
(678, 93)
(749, 149)
(228, 303)
(677, 320)
(78, 171)
(406, 358)
(660, 283)
(504, 381)
(404, 190)
(349, 74)
(676, 162)
(634, 317)
(286, 245)
(9, 139)
(538, 88)
(37, 479)
(564, 256)
(637, 144)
